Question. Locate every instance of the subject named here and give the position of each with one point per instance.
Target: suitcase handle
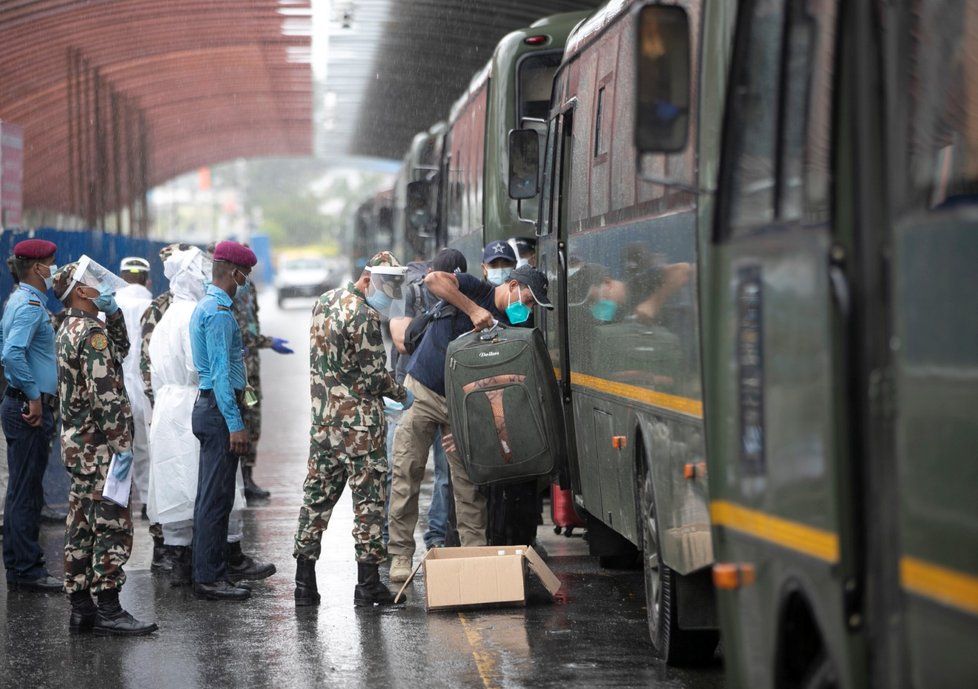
(487, 334)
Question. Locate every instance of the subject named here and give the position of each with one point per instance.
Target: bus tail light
(730, 576)
(536, 40)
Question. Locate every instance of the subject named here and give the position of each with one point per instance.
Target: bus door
(552, 260)
(934, 277)
(777, 407)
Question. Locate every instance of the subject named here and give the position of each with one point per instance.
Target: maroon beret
(235, 253)
(35, 248)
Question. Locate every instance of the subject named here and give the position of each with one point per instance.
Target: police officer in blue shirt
(215, 341)
(31, 370)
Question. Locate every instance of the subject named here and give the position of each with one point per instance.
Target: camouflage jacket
(95, 411)
(348, 370)
(154, 312)
(246, 314)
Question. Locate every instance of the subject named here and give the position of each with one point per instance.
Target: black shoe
(370, 589)
(221, 590)
(163, 557)
(42, 584)
(53, 516)
(83, 612)
(306, 592)
(253, 492)
(244, 567)
(112, 620)
(181, 558)
(143, 514)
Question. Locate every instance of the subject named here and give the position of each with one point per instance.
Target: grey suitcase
(504, 405)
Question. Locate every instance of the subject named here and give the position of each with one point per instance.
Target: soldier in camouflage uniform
(246, 314)
(349, 377)
(96, 424)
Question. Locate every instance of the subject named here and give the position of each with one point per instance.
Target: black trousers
(215, 491)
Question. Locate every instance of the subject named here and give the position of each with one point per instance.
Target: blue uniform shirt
(27, 338)
(215, 340)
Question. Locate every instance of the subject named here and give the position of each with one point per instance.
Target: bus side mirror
(663, 73)
(524, 163)
(418, 206)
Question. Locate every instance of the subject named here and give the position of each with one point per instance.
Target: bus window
(756, 111)
(599, 147)
(943, 156)
(535, 83)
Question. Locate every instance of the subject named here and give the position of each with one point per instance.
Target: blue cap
(497, 250)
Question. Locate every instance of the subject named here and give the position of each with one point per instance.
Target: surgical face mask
(604, 310)
(379, 300)
(517, 312)
(241, 285)
(49, 280)
(498, 276)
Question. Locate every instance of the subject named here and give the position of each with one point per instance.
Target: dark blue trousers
(215, 491)
(27, 458)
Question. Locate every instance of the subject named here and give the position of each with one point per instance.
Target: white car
(305, 276)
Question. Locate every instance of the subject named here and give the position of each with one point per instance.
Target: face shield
(385, 293)
(92, 274)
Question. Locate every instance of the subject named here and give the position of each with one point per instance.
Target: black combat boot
(244, 567)
(370, 589)
(252, 490)
(83, 612)
(112, 620)
(306, 592)
(162, 557)
(181, 570)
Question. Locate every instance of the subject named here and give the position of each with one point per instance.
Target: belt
(16, 394)
(238, 395)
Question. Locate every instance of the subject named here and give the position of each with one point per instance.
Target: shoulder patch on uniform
(34, 302)
(98, 341)
(222, 307)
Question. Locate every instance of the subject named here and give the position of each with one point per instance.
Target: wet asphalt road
(597, 639)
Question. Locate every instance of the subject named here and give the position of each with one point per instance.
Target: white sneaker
(400, 568)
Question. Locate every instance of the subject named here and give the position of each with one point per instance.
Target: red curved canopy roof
(212, 79)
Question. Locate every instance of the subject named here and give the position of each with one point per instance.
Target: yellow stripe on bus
(683, 405)
(946, 586)
(809, 540)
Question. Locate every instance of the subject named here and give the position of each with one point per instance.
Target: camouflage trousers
(251, 417)
(329, 470)
(98, 539)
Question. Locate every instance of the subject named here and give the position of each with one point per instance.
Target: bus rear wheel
(672, 644)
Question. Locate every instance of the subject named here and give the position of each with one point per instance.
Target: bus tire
(672, 644)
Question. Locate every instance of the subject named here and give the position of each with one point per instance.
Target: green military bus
(513, 88)
(618, 238)
(840, 329)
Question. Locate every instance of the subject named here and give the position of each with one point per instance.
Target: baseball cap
(450, 261)
(536, 282)
(497, 250)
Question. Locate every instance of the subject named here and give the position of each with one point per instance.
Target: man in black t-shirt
(478, 304)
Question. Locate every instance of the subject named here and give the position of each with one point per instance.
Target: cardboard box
(458, 577)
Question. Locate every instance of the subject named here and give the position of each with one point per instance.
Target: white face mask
(498, 276)
(520, 262)
(49, 280)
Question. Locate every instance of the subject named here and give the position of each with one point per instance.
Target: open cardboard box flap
(533, 559)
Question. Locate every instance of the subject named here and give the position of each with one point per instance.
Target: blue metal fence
(107, 249)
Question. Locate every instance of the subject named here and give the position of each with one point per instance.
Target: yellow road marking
(809, 540)
(682, 405)
(946, 586)
(484, 660)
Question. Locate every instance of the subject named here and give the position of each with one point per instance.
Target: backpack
(419, 324)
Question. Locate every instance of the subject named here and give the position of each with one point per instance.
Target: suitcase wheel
(557, 530)
(569, 531)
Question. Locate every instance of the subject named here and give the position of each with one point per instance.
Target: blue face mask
(379, 300)
(518, 312)
(49, 280)
(604, 310)
(498, 276)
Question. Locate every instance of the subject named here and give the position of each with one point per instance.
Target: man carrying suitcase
(478, 304)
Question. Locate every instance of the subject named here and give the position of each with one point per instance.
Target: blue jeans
(441, 490)
(27, 458)
(215, 491)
